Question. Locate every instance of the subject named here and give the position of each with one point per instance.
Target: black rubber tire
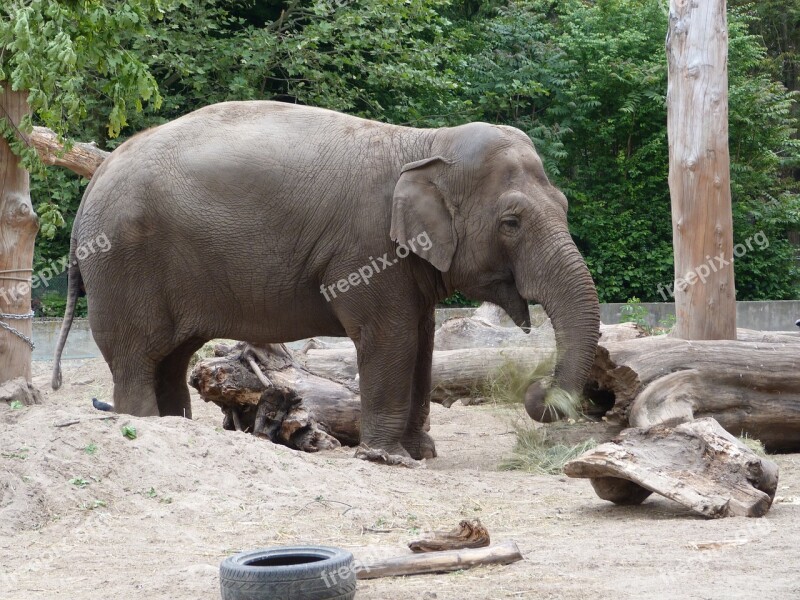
(319, 573)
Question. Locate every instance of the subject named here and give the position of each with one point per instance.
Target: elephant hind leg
(134, 385)
(172, 391)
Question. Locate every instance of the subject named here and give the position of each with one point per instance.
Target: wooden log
(761, 403)
(441, 562)
(230, 382)
(468, 534)
(18, 227)
(752, 388)
(697, 464)
(81, 158)
(455, 373)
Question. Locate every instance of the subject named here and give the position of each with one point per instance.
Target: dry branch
(441, 562)
(697, 464)
(468, 534)
(84, 159)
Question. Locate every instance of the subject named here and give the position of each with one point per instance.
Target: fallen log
(441, 562)
(751, 388)
(454, 374)
(328, 407)
(697, 464)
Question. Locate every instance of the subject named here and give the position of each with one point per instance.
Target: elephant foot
(396, 455)
(420, 445)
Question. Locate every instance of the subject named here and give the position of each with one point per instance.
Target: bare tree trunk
(699, 170)
(18, 227)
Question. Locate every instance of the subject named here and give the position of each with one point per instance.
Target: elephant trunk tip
(547, 405)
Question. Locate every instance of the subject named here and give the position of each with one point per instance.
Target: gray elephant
(271, 222)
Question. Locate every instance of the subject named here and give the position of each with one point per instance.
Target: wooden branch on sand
(697, 464)
(468, 534)
(441, 562)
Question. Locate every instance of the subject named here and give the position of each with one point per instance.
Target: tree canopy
(586, 80)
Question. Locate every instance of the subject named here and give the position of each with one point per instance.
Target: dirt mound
(86, 512)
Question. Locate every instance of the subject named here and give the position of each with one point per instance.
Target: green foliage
(129, 431)
(634, 312)
(56, 50)
(53, 304)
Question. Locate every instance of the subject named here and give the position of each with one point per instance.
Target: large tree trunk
(751, 388)
(699, 171)
(18, 227)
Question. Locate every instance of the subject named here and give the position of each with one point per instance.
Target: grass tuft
(753, 444)
(509, 383)
(535, 454)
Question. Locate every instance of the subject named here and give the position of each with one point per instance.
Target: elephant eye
(509, 222)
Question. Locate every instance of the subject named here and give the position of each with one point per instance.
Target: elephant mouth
(516, 306)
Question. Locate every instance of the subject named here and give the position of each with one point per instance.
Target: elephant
(271, 222)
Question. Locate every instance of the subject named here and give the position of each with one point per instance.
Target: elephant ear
(421, 214)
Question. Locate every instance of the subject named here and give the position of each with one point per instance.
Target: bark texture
(697, 464)
(699, 170)
(441, 562)
(18, 227)
(82, 158)
(751, 388)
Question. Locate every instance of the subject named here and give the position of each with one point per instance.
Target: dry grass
(534, 453)
(510, 381)
(753, 444)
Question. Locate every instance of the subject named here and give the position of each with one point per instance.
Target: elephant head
(499, 233)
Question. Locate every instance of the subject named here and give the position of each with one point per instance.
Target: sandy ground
(87, 513)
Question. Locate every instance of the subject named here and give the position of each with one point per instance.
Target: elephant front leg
(386, 367)
(415, 440)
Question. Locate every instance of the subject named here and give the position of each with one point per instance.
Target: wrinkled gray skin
(226, 222)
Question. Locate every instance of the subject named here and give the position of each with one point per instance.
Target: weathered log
(81, 158)
(697, 464)
(751, 388)
(455, 373)
(327, 406)
(441, 562)
(484, 330)
(468, 534)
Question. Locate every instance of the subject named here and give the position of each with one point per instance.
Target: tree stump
(697, 464)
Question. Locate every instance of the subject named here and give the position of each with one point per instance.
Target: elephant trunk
(568, 296)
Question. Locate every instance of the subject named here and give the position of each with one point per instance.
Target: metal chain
(17, 333)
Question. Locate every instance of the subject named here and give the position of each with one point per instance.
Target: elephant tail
(73, 291)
